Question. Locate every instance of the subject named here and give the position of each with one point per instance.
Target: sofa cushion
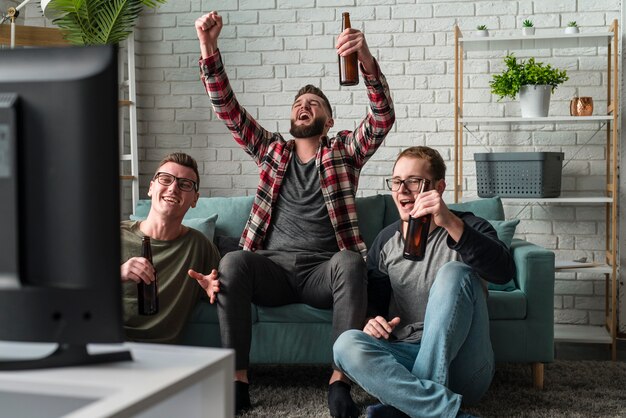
(233, 212)
(371, 211)
(505, 230)
(204, 225)
(206, 313)
(489, 208)
(297, 312)
(506, 305)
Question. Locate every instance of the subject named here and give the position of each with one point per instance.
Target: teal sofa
(521, 315)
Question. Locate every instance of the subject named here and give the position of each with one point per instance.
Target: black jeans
(273, 278)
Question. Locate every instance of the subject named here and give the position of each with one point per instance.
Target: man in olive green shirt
(178, 253)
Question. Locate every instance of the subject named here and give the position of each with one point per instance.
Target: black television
(59, 204)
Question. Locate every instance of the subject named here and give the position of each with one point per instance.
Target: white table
(163, 381)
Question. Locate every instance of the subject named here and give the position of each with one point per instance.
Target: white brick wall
(272, 47)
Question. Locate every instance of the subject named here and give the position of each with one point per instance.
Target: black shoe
(340, 402)
(384, 411)
(242, 397)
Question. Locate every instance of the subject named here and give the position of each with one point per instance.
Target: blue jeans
(452, 362)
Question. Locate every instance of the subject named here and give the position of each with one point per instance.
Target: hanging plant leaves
(98, 22)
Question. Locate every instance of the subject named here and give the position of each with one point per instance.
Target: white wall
(273, 47)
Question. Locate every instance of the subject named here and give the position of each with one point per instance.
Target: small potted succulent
(572, 27)
(528, 27)
(481, 30)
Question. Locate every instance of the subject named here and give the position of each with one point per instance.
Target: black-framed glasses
(412, 184)
(185, 185)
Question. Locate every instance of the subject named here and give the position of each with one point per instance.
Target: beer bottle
(147, 294)
(348, 65)
(417, 234)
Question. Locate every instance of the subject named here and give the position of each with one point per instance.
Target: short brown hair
(310, 88)
(437, 166)
(183, 159)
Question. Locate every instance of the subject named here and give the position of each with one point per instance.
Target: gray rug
(572, 389)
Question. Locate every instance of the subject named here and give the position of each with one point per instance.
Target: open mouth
(304, 116)
(171, 199)
(406, 203)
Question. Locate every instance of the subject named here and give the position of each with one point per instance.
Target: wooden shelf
(606, 195)
(565, 333)
(599, 269)
(547, 119)
(539, 41)
(565, 199)
(32, 36)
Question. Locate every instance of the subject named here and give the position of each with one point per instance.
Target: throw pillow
(204, 225)
(505, 230)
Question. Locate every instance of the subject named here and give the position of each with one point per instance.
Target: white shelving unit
(129, 101)
(607, 197)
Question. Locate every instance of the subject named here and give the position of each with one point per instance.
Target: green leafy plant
(522, 73)
(481, 27)
(97, 22)
(572, 24)
(528, 23)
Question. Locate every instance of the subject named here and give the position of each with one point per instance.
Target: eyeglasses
(185, 185)
(412, 184)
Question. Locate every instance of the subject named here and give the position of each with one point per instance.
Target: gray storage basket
(518, 174)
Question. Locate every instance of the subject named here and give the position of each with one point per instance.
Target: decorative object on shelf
(528, 27)
(96, 22)
(482, 31)
(581, 106)
(519, 174)
(12, 14)
(534, 81)
(572, 27)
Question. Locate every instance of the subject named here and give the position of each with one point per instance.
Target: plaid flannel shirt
(338, 160)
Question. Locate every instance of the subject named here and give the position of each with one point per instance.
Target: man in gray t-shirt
(428, 333)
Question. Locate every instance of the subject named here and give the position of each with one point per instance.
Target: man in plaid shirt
(302, 242)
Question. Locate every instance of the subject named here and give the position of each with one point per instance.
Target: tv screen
(60, 209)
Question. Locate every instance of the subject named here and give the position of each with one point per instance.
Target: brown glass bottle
(417, 234)
(147, 294)
(348, 65)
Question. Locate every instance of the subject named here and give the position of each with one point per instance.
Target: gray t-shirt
(300, 220)
(399, 287)
(412, 281)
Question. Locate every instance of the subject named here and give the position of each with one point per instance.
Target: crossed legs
(452, 362)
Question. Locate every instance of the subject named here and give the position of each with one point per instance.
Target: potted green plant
(572, 27)
(97, 22)
(481, 30)
(534, 82)
(528, 27)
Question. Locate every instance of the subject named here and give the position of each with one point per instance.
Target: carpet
(572, 389)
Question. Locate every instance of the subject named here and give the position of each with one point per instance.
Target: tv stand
(163, 381)
(66, 355)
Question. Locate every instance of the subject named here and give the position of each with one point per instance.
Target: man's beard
(314, 129)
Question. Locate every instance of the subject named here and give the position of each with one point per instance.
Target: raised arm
(251, 136)
(369, 135)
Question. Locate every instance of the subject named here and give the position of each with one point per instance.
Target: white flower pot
(571, 29)
(482, 33)
(528, 31)
(535, 100)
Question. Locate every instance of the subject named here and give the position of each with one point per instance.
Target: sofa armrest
(535, 277)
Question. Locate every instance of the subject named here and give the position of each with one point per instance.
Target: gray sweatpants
(273, 278)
